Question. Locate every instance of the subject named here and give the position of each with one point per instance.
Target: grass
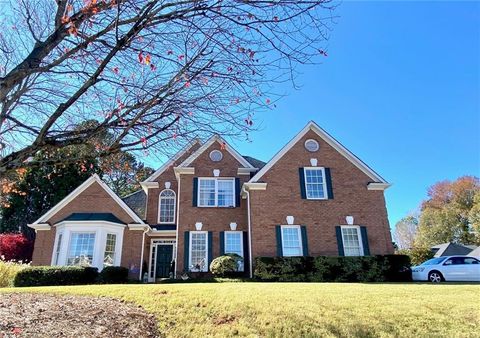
(300, 309)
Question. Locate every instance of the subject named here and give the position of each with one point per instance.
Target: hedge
(113, 275)
(388, 268)
(56, 275)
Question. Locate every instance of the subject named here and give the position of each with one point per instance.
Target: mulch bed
(44, 315)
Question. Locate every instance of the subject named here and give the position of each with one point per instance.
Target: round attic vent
(311, 145)
(216, 155)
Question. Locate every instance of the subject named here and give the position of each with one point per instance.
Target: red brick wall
(213, 219)
(43, 248)
(351, 197)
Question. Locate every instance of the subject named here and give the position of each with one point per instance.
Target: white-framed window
(81, 248)
(291, 240)
(311, 145)
(166, 206)
(234, 245)
(216, 192)
(57, 249)
(352, 240)
(315, 183)
(216, 155)
(198, 257)
(109, 255)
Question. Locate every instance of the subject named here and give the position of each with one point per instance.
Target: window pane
(207, 192)
(57, 251)
(81, 249)
(233, 245)
(351, 242)
(314, 183)
(109, 256)
(167, 207)
(225, 193)
(291, 242)
(198, 251)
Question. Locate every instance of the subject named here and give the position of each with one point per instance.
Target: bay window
(80, 251)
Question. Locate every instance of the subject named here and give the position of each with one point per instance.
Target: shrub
(226, 265)
(418, 255)
(333, 269)
(8, 271)
(16, 247)
(56, 275)
(113, 275)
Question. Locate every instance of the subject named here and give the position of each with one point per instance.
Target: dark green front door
(164, 259)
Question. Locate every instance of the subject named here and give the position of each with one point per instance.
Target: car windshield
(434, 261)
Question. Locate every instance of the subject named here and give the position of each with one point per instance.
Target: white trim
(149, 185)
(311, 140)
(360, 239)
(331, 141)
(215, 151)
(87, 223)
(239, 232)
(300, 240)
(190, 250)
(154, 242)
(378, 186)
(246, 171)
(216, 179)
(207, 145)
(40, 226)
(70, 197)
(174, 206)
(324, 183)
(183, 171)
(255, 186)
(136, 226)
(167, 164)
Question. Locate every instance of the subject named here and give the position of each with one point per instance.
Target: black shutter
(328, 179)
(246, 253)
(278, 231)
(186, 251)
(237, 192)
(338, 231)
(303, 229)
(366, 248)
(195, 192)
(301, 174)
(210, 249)
(222, 243)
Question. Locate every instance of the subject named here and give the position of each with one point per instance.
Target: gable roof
(332, 142)
(450, 249)
(137, 202)
(475, 252)
(70, 197)
(172, 160)
(207, 145)
(254, 161)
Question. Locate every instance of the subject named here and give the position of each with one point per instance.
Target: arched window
(166, 206)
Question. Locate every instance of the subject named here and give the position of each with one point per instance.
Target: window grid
(315, 183)
(198, 251)
(57, 251)
(81, 249)
(234, 245)
(291, 242)
(216, 192)
(351, 242)
(167, 207)
(109, 255)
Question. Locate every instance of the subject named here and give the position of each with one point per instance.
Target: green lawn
(300, 309)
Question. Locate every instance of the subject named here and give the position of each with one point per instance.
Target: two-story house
(314, 197)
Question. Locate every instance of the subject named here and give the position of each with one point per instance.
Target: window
(234, 244)
(470, 260)
(57, 249)
(311, 145)
(352, 244)
(216, 192)
(166, 209)
(291, 241)
(315, 183)
(198, 251)
(81, 249)
(216, 155)
(109, 255)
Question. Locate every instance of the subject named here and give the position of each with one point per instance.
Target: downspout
(250, 258)
(141, 256)
(176, 232)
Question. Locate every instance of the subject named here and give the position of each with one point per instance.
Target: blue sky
(399, 88)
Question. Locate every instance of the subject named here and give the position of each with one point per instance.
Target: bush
(226, 265)
(56, 275)
(8, 271)
(418, 255)
(392, 268)
(16, 247)
(113, 275)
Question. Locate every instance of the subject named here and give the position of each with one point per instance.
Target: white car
(448, 268)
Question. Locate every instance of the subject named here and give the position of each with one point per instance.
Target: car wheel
(435, 277)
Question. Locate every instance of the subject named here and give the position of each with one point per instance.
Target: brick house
(314, 197)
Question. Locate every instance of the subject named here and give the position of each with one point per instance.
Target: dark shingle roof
(137, 202)
(255, 162)
(450, 249)
(93, 216)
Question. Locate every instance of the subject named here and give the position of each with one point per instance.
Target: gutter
(177, 221)
(250, 258)
(141, 256)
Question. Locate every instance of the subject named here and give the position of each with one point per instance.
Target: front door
(163, 261)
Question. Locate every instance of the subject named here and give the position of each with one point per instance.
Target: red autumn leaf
(268, 101)
(181, 57)
(140, 57)
(153, 67)
(223, 146)
(147, 59)
(187, 84)
(169, 52)
(275, 18)
(115, 70)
